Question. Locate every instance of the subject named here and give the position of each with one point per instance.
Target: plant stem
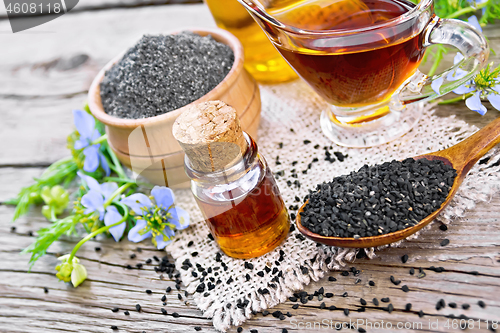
(53, 216)
(97, 232)
(456, 99)
(466, 10)
(103, 138)
(118, 165)
(437, 61)
(119, 191)
(127, 180)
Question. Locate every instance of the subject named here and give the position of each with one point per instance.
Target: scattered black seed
(346, 312)
(141, 86)
(345, 294)
(138, 265)
(332, 279)
(175, 315)
(177, 286)
(306, 142)
(295, 306)
(440, 304)
(445, 242)
(239, 330)
(420, 313)
(375, 301)
(210, 237)
(481, 304)
(197, 328)
(163, 298)
(148, 291)
(371, 283)
(465, 306)
(148, 261)
(405, 288)
(378, 200)
(169, 289)
(126, 313)
(321, 290)
(260, 273)
(132, 256)
(408, 307)
(361, 330)
(254, 331)
(329, 295)
(452, 305)
(390, 308)
(404, 259)
(265, 313)
(284, 330)
(194, 254)
(156, 258)
(114, 328)
(385, 299)
(179, 296)
(332, 307)
(115, 309)
(357, 281)
(443, 227)
(30, 233)
(46, 290)
(138, 307)
(163, 311)
(322, 305)
(97, 249)
(394, 281)
(362, 301)
(412, 271)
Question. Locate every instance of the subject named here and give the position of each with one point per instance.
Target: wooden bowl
(147, 145)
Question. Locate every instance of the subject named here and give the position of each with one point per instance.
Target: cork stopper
(211, 136)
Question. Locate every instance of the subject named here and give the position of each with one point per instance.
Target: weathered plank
(44, 79)
(474, 248)
(93, 5)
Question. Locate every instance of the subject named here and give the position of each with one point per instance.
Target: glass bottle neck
(234, 172)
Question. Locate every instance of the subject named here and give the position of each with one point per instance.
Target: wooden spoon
(461, 157)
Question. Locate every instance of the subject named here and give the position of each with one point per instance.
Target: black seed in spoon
(399, 192)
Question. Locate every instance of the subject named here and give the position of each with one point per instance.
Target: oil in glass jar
(231, 182)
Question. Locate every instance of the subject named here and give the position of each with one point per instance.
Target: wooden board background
(45, 73)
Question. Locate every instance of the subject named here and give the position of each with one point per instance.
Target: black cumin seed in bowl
(378, 200)
(163, 73)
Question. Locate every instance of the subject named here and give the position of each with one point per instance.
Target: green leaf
(47, 236)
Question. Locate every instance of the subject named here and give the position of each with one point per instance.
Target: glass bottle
(242, 205)
(261, 58)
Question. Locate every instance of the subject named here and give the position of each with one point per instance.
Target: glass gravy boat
(366, 67)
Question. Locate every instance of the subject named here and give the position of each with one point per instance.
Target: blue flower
(85, 124)
(156, 220)
(94, 200)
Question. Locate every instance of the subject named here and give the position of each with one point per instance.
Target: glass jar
(242, 205)
(261, 58)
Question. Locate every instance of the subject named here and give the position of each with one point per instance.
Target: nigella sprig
(486, 85)
(157, 220)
